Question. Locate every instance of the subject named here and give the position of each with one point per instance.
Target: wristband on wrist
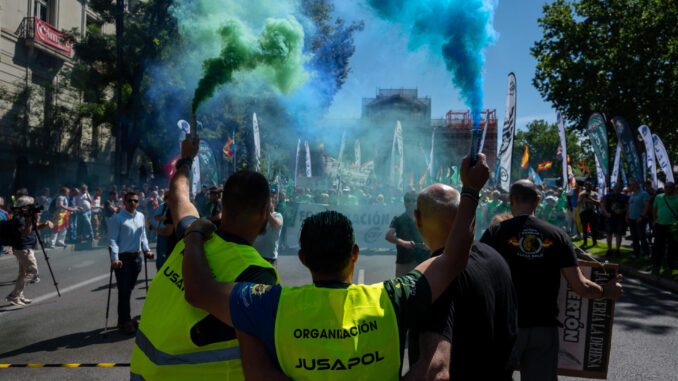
(467, 189)
(473, 197)
(184, 161)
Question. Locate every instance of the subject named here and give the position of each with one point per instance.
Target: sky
(382, 60)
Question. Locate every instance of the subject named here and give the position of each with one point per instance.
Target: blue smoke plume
(457, 30)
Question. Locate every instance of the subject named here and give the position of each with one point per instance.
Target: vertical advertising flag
(257, 142)
(563, 148)
(341, 147)
(309, 173)
(615, 167)
(433, 144)
(296, 162)
(503, 175)
(628, 145)
(397, 157)
(601, 178)
(662, 158)
(209, 172)
(356, 152)
(598, 137)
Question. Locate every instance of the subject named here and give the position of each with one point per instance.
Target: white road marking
(361, 276)
(52, 294)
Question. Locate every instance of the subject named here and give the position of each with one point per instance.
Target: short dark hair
(244, 194)
(524, 192)
(410, 196)
(326, 241)
(130, 194)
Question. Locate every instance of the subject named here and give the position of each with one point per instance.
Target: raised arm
(441, 271)
(180, 187)
(202, 290)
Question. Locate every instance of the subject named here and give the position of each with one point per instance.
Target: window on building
(41, 10)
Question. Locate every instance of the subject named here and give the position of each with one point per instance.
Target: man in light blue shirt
(127, 239)
(637, 218)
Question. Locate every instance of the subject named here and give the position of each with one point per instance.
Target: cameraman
(25, 238)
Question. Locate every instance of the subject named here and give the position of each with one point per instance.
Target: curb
(653, 280)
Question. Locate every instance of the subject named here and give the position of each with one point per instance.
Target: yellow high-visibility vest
(165, 347)
(337, 334)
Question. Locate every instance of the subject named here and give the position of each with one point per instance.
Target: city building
(42, 142)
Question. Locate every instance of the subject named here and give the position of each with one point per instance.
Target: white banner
(257, 142)
(370, 222)
(563, 147)
(309, 173)
(615, 167)
(296, 162)
(356, 152)
(649, 150)
(430, 161)
(397, 157)
(601, 178)
(503, 175)
(662, 158)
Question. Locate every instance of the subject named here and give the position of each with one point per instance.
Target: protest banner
(370, 222)
(586, 334)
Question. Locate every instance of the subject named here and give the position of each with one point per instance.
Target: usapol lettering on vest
(174, 277)
(337, 364)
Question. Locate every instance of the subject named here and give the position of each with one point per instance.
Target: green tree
(542, 139)
(615, 56)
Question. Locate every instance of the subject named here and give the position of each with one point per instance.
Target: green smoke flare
(277, 52)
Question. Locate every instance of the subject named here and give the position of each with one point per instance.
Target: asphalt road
(69, 329)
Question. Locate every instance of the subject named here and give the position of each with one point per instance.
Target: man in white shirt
(267, 243)
(84, 205)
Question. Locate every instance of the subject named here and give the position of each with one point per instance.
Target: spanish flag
(228, 147)
(544, 166)
(526, 158)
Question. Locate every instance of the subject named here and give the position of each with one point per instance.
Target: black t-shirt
(22, 242)
(172, 238)
(214, 208)
(535, 251)
(478, 314)
(107, 208)
(406, 229)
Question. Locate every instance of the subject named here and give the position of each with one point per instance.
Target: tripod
(37, 234)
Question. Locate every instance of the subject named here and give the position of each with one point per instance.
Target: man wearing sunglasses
(127, 240)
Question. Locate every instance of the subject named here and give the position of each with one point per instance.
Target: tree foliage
(615, 56)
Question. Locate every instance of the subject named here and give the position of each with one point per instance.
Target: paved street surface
(70, 329)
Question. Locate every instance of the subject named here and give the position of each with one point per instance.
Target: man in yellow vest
(176, 341)
(332, 329)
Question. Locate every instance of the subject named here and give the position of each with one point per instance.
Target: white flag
(649, 150)
(356, 152)
(430, 160)
(397, 157)
(503, 175)
(341, 147)
(308, 160)
(257, 142)
(561, 132)
(615, 167)
(601, 178)
(296, 162)
(662, 158)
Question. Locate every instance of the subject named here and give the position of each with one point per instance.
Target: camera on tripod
(31, 210)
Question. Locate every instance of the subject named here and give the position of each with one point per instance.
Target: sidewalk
(660, 281)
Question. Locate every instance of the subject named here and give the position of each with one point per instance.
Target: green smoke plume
(277, 55)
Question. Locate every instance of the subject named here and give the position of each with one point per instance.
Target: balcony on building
(40, 35)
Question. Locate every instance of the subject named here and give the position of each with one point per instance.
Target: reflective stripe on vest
(337, 334)
(159, 357)
(164, 349)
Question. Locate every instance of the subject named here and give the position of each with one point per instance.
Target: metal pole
(119, 13)
(108, 303)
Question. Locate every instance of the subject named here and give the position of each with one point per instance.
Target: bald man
(469, 332)
(537, 254)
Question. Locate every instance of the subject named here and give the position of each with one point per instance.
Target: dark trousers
(589, 217)
(126, 278)
(639, 237)
(663, 241)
